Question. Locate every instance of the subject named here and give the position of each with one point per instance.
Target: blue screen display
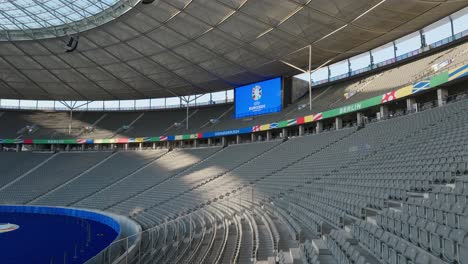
(258, 98)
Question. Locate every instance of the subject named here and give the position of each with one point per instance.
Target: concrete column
(319, 127)
(195, 143)
(82, 147)
(126, 146)
(18, 147)
(181, 143)
(338, 123)
(285, 133)
(442, 96)
(154, 145)
(301, 130)
(238, 139)
(359, 117)
(52, 147)
(140, 146)
(252, 137)
(409, 104)
(383, 112)
(223, 141)
(67, 147)
(168, 144)
(209, 141)
(268, 136)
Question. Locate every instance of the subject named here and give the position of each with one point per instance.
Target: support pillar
(83, 147)
(209, 141)
(268, 135)
(195, 143)
(319, 127)
(359, 120)
(112, 146)
(285, 133)
(18, 147)
(252, 137)
(338, 123)
(238, 139)
(154, 143)
(181, 143)
(168, 144)
(410, 102)
(383, 112)
(301, 130)
(126, 146)
(223, 141)
(67, 147)
(442, 95)
(52, 147)
(140, 146)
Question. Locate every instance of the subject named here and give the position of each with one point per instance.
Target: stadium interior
(122, 138)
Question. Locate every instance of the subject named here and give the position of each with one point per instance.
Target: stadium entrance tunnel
(36, 234)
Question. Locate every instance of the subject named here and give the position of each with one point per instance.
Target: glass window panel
(438, 31)
(383, 53)
(408, 43)
(460, 20)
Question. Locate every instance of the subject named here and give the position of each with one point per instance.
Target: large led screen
(258, 98)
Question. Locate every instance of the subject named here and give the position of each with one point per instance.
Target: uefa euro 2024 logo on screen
(256, 92)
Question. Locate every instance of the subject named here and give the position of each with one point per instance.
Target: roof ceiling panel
(121, 31)
(122, 70)
(243, 27)
(196, 28)
(22, 62)
(209, 11)
(51, 62)
(160, 11)
(219, 42)
(170, 60)
(180, 47)
(124, 52)
(146, 46)
(270, 12)
(100, 56)
(194, 52)
(167, 37)
(145, 66)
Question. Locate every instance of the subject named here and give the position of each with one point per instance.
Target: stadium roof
(183, 47)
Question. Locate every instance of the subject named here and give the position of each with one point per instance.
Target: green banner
(54, 141)
(439, 79)
(377, 100)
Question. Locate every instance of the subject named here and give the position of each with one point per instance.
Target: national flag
(122, 140)
(273, 125)
(256, 128)
(163, 138)
(317, 117)
(292, 122)
(81, 141)
(421, 86)
(308, 118)
(390, 96)
(300, 120)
